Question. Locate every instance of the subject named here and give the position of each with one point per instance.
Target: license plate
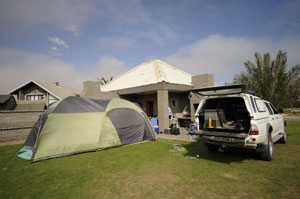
(221, 139)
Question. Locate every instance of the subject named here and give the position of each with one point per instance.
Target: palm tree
(104, 81)
(270, 79)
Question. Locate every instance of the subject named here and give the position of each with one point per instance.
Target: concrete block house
(156, 87)
(37, 95)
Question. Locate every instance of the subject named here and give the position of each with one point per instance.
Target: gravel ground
(292, 117)
(13, 136)
(184, 136)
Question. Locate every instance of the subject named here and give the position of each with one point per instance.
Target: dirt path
(291, 117)
(13, 136)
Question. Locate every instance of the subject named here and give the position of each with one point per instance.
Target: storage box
(214, 114)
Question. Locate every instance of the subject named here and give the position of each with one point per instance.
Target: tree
(271, 80)
(104, 81)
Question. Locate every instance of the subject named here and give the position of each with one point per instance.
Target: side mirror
(280, 110)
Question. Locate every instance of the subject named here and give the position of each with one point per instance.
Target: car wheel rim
(270, 148)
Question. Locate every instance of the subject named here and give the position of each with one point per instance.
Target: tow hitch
(222, 147)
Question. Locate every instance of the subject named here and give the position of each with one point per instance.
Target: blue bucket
(192, 127)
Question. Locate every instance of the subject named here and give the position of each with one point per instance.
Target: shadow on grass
(230, 155)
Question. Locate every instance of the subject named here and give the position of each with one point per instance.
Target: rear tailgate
(212, 137)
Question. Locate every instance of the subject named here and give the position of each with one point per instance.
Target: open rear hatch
(226, 114)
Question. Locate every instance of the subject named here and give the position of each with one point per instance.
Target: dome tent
(75, 125)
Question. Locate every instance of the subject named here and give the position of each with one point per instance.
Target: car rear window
(253, 105)
(260, 105)
(274, 109)
(269, 108)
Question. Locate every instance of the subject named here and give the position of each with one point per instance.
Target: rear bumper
(241, 140)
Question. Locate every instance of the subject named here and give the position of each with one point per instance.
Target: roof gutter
(154, 87)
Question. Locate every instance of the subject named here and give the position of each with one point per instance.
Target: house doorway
(149, 108)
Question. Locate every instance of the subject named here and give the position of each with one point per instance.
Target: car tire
(283, 140)
(212, 148)
(268, 153)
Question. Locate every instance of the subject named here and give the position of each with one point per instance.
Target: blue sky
(74, 41)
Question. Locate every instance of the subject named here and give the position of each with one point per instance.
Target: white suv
(229, 117)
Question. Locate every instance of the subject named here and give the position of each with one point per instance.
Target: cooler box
(154, 123)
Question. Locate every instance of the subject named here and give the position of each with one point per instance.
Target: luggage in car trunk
(225, 113)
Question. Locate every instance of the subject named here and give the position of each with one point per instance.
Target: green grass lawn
(154, 170)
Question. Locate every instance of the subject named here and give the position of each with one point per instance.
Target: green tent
(75, 125)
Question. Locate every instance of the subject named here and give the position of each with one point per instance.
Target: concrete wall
(163, 104)
(199, 81)
(181, 102)
(205, 80)
(16, 125)
(91, 89)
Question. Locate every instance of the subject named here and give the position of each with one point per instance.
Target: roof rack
(252, 93)
(221, 90)
(242, 86)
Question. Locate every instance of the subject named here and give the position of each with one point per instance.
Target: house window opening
(174, 103)
(35, 97)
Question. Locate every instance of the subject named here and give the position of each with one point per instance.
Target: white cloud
(225, 56)
(130, 12)
(158, 33)
(54, 51)
(108, 66)
(18, 67)
(135, 19)
(24, 15)
(58, 41)
(72, 28)
(116, 42)
(54, 48)
(130, 17)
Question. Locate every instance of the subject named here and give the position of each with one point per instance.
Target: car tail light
(254, 130)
